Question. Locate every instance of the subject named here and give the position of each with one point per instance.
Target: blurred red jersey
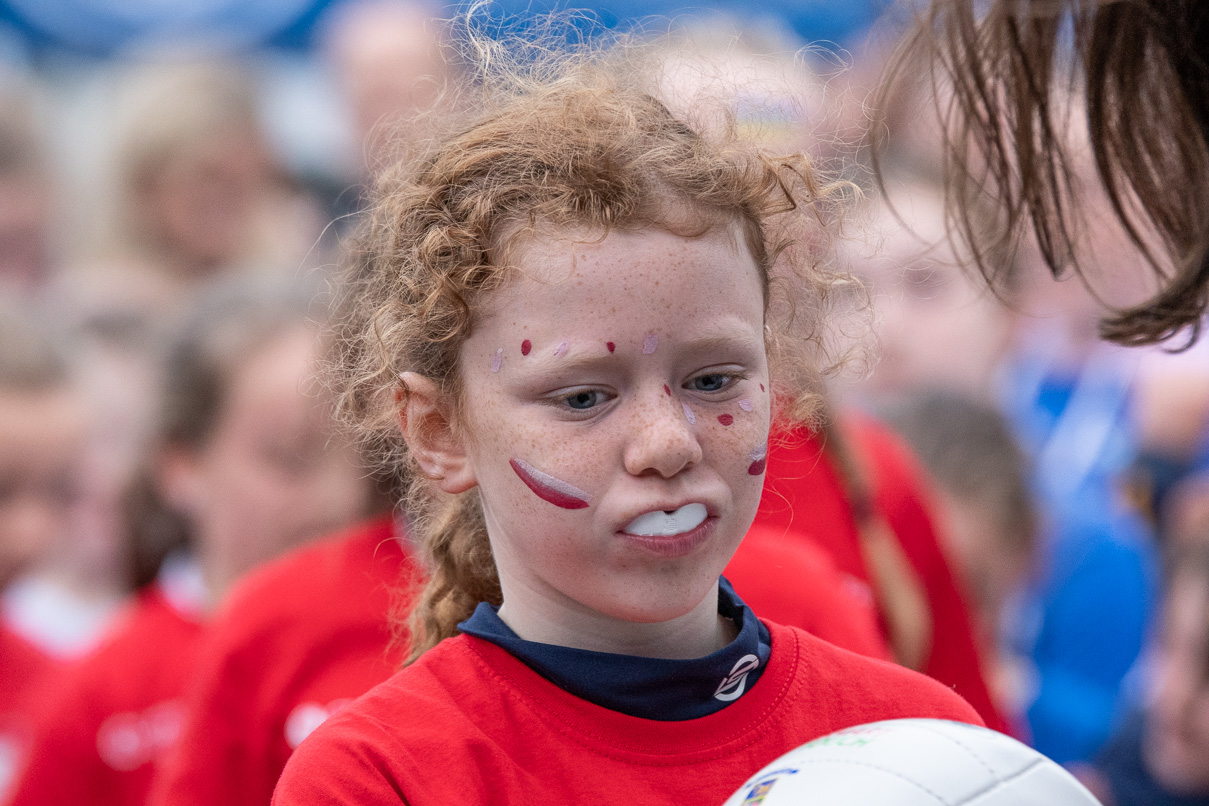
(804, 498)
(296, 640)
(26, 673)
(116, 711)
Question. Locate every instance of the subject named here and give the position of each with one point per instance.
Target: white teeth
(664, 524)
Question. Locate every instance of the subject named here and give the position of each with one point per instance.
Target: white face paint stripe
(650, 344)
(745, 404)
(561, 350)
(497, 360)
(688, 414)
(759, 453)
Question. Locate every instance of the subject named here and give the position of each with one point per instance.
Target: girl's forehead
(581, 254)
(623, 285)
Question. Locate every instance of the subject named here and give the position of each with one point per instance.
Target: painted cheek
(759, 460)
(548, 488)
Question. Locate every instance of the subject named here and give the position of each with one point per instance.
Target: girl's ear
(431, 435)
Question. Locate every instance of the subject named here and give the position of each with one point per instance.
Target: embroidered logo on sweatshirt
(733, 685)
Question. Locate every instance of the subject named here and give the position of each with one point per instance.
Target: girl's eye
(584, 400)
(714, 382)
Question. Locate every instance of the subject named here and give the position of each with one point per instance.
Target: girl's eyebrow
(596, 356)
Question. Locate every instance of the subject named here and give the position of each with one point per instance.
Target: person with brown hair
(245, 468)
(579, 318)
(1015, 76)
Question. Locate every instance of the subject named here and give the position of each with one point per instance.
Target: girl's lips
(677, 545)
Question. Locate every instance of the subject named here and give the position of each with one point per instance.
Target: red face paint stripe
(667, 391)
(526, 346)
(546, 487)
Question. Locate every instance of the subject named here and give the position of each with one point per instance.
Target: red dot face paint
(725, 419)
(526, 346)
(548, 488)
(759, 461)
(611, 346)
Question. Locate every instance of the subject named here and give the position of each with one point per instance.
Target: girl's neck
(550, 618)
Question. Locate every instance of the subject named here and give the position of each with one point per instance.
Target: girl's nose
(663, 440)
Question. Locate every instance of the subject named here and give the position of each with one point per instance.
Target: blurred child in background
(25, 194)
(1081, 621)
(245, 468)
(987, 514)
(1160, 757)
(193, 188)
(42, 434)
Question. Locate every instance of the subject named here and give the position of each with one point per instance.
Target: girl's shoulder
(396, 734)
(854, 689)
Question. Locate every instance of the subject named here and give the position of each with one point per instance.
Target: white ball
(913, 762)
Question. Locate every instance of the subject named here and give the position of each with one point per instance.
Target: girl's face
(270, 474)
(1178, 733)
(42, 436)
(938, 328)
(614, 418)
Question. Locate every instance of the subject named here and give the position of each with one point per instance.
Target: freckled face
(641, 346)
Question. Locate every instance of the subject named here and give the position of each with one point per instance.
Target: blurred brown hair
(1140, 70)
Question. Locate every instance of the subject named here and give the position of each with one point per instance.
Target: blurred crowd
(170, 230)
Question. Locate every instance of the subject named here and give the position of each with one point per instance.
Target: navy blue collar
(651, 688)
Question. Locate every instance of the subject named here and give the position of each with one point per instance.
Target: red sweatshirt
(312, 631)
(470, 724)
(805, 500)
(116, 711)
